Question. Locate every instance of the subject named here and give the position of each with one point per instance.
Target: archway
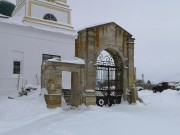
(119, 44)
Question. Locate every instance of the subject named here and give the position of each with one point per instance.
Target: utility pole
(143, 80)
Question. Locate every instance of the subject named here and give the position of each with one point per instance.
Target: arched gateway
(104, 77)
(119, 70)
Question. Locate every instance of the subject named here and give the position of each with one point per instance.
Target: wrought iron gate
(108, 82)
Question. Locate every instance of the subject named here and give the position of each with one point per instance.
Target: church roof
(105, 24)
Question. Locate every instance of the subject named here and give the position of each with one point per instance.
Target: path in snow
(29, 116)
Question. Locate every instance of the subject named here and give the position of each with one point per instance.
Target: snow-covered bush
(25, 90)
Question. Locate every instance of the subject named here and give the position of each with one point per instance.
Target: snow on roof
(76, 60)
(55, 59)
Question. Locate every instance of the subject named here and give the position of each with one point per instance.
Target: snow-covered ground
(159, 115)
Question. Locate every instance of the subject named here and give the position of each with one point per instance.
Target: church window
(50, 17)
(16, 67)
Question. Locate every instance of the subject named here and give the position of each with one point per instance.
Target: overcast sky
(155, 24)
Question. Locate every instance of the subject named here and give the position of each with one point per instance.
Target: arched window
(50, 17)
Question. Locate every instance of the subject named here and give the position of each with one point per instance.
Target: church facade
(38, 30)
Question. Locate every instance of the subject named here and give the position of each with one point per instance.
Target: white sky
(154, 23)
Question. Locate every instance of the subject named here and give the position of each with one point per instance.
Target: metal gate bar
(108, 85)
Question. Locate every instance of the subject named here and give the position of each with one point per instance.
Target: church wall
(27, 45)
(20, 11)
(65, 1)
(62, 17)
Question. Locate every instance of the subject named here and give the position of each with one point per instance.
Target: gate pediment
(111, 25)
(109, 36)
(108, 33)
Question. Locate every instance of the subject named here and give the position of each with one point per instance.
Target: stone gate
(89, 44)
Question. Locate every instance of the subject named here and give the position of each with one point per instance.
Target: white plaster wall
(20, 12)
(39, 12)
(32, 44)
(18, 2)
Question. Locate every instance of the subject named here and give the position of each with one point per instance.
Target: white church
(38, 30)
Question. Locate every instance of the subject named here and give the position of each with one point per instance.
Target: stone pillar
(90, 60)
(90, 97)
(82, 84)
(125, 82)
(130, 45)
(77, 87)
(74, 99)
(51, 79)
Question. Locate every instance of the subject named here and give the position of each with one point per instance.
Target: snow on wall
(75, 60)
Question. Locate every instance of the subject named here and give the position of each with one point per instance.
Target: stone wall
(113, 39)
(51, 79)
